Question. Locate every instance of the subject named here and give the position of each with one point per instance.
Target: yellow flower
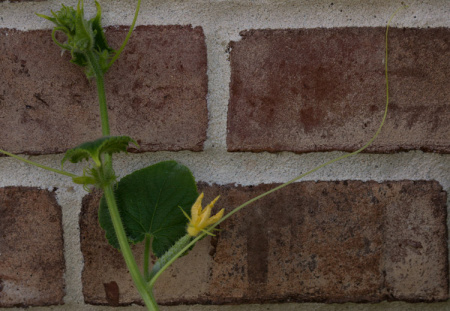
(201, 218)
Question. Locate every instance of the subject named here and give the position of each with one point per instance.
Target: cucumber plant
(158, 205)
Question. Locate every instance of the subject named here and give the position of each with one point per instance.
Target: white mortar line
(246, 168)
(71, 206)
(219, 72)
(240, 15)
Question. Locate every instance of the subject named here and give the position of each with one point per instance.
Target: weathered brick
(416, 243)
(31, 248)
(156, 91)
(333, 242)
(323, 242)
(106, 279)
(324, 89)
(318, 242)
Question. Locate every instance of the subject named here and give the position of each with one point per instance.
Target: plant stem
(100, 91)
(103, 106)
(138, 280)
(155, 305)
(136, 275)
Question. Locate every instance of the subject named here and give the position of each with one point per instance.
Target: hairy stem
(169, 255)
(130, 261)
(100, 91)
(138, 280)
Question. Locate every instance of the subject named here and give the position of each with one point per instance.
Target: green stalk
(138, 280)
(103, 106)
(100, 91)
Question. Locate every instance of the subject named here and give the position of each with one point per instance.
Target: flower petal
(212, 220)
(196, 209)
(201, 218)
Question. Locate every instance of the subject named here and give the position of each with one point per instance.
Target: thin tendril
(39, 165)
(116, 56)
(200, 236)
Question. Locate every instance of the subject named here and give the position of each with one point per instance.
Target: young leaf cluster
(95, 149)
(100, 175)
(83, 36)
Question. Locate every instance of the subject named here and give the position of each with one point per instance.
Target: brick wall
(248, 94)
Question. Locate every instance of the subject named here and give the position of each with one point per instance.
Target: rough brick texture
(323, 242)
(324, 89)
(31, 248)
(334, 242)
(156, 91)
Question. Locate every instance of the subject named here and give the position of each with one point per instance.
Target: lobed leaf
(149, 202)
(95, 149)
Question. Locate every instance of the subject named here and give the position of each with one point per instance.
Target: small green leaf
(149, 202)
(94, 149)
(84, 36)
(63, 19)
(101, 45)
(52, 19)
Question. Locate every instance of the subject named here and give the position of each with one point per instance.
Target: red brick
(416, 243)
(333, 242)
(315, 242)
(156, 91)
(324, 89)
(31, 248)
(322, 242)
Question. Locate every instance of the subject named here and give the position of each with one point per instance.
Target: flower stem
(168, 257)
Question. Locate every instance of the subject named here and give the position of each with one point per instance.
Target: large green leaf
(149, 202)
